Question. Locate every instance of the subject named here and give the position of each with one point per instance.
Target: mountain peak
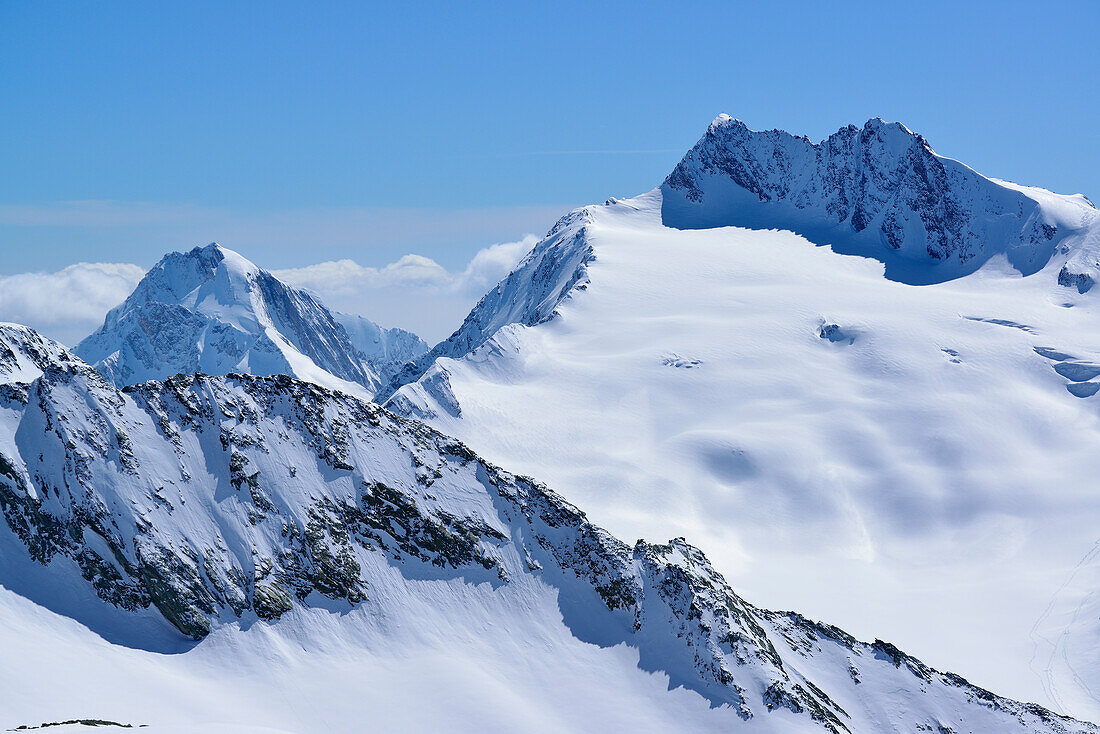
(212, 249)
(208, 258)
(877, 123)
(723, 120)
(212, 310)
(878, 191)
(217, 252)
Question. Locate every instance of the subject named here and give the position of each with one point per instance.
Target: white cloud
(489, 265)
(348, 276)
(415, 292)
(69, 304)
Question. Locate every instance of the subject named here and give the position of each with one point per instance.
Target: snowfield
(452, 660)
(917, 463)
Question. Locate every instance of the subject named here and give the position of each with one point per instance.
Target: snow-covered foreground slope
(265, 554)
(470, 660)
(212, 311)
(1067, 640)
(916, 462)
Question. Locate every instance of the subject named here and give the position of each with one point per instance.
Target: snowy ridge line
(816, 425)
(384, 350)
(218, 500)
(529, 295)
(879, 191)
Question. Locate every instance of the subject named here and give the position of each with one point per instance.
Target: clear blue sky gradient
(188, 115)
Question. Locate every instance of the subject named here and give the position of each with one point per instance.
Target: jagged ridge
(878, 191)
(529, 295)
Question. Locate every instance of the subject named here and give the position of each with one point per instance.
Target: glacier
(900, 439)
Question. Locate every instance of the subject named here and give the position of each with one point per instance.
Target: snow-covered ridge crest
(218, 499)
(24, 354)
(529, 295)
(878, 191)
(210, 310)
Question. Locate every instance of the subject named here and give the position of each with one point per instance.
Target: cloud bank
(69, 304)
(414, 292)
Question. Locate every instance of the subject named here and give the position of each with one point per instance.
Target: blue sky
(305, 132)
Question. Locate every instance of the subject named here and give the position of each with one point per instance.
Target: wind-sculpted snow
(224, 500)
(210, 310)
(878, 191)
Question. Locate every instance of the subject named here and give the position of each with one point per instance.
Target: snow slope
(1067, 641)
(212, 311)
(915, 462)
(263, 554)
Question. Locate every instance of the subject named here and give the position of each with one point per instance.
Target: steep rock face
(528, 295)
(212, 311)
(218, 498)
(385, 351)
(25, 354)
(878, 191)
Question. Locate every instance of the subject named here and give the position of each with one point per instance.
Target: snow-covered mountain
(915, 462)
(878, 191)
(233, 505)
(384, 350)
(212, 311)
(529, 295)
